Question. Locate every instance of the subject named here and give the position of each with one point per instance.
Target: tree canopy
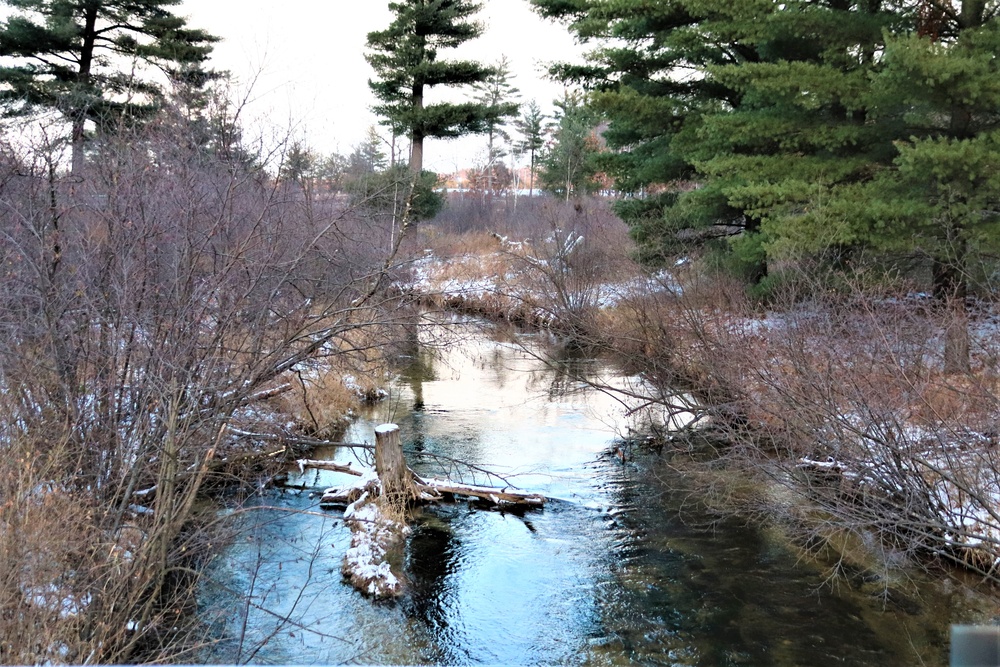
(568, 163)
(405, 57)
(78, 57)
(499, 95)
(802, 129)
(531, 126)
(797, 127)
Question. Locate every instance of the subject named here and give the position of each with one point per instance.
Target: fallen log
(498, 497)
(342, 496)
(434, 490)
(375, 539)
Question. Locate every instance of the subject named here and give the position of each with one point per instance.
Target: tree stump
(398, 485)
(377, 519)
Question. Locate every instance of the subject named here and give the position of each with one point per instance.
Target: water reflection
(609, 573)
(691, 593)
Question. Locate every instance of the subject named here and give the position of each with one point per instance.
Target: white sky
(312, 78)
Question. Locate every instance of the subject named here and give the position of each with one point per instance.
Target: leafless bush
(149, 308)
(880, 437)
(472, 211)
(842, 400)
(569, 261)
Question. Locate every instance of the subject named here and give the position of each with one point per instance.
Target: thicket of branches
(839, 398)
(838, 395)
(151, 307)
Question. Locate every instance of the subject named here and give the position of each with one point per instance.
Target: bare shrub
(878, 434)
(150, 308)
(840, 399)
(569, 262)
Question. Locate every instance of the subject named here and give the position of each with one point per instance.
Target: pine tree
(498, 95)
(531, 127)
(368, 156)
(880, 135)
(636, 75)
(802, 125)
(936, 192)
(330, 171)
(298, 164)
(810, 127)
(568, 166)
(383, 188)
(405, 60)
(77, 57)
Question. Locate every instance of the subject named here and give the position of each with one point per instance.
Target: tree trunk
(416, 134)
(390, 465)
(972, 14)
(956, 340)
(950, 292)
(416, 154)
(83, 78)
(531, 186)
(489, 166)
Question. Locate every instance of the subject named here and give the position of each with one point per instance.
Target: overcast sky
(311, 76)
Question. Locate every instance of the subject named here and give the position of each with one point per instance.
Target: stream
(618, 568)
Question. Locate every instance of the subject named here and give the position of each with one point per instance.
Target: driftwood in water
(435, 490)
(377, 538)
(498, 497)
(428, 490)
(376, 518)
(328, 465)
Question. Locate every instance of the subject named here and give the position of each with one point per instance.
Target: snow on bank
(960, 505)
(526, 282)
(865, 390)
(950, 472)
(375, 535)
(944, 480)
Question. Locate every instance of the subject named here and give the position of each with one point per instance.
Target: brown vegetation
(537, 263)
(840, 396)
(156, 306)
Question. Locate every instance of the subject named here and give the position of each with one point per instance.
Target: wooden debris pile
(375, 509)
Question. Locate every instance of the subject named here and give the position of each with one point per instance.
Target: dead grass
(132, 345)
(951, 399)
(319, 403)
(842, 399)
(449, 244)
(328, 389)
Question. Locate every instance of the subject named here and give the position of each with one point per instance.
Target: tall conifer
(405, 59)
(646, 78)
(568, 165)
(809, 126)
(498, 94)
(531, 128)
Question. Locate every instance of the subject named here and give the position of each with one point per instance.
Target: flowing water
(617, 569)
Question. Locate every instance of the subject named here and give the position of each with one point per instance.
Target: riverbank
(840, 396)
(624, 563)
(171, 316)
